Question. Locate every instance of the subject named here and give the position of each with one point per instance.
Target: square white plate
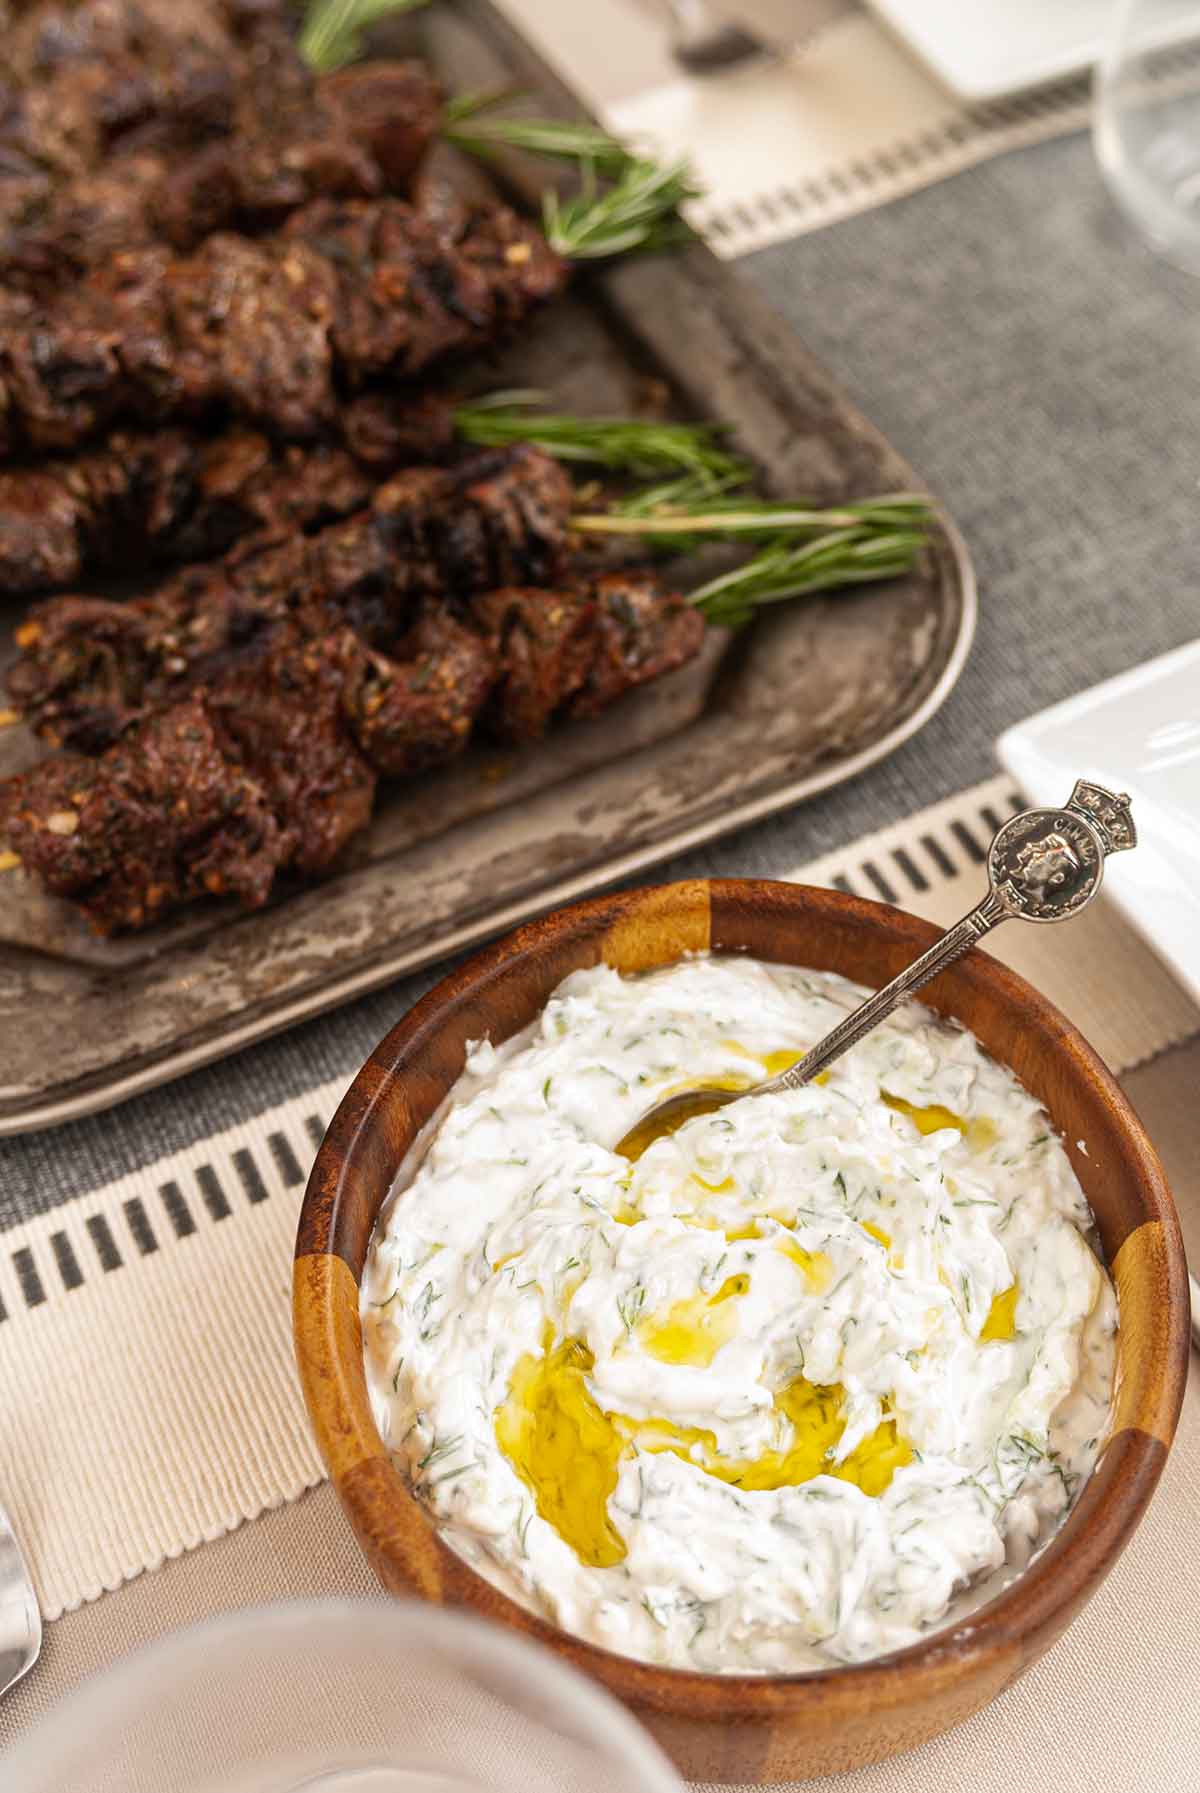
(985, 49)
(1139, 733)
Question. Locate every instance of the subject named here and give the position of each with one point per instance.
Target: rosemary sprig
(682, 505)
(642, 447)
(806, 548)
(331, 34)
(462, 106)
(638, 210)
(843, 557)
(562, 139)
(679, 511)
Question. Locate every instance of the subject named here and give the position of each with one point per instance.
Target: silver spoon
(1043, 865)
(20, 1620)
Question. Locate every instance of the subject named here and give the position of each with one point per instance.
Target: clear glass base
(1151, 160)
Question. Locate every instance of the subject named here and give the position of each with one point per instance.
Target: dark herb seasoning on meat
(155, 496)
(269, 763)
(122, 124)
(89, 668)
(265, 328)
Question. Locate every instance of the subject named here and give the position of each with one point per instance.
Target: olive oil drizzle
(568, 1450)
(692, 1331)
(1001, 1322)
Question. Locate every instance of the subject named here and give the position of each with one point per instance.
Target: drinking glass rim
(559, 1692)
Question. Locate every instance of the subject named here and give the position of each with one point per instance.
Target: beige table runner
(850, 121)
(1111, 1709)
(147, 1342)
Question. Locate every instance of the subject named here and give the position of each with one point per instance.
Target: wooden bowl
(753, 1728)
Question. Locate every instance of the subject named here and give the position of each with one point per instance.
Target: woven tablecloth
(1041, 371)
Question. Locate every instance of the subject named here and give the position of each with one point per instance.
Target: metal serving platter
(804, 699)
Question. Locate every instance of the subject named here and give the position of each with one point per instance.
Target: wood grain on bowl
(742, 1727)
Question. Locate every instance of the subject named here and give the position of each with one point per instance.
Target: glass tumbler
(336, 1696)
(1146, 122)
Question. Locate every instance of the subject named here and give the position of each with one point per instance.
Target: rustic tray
(807, 697)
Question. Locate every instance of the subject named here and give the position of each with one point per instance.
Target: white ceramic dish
(985, 49)
(1140, 733)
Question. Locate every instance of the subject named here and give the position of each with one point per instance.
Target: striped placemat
(145, 1341)
(848, 121)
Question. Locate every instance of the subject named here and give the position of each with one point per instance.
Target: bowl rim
(1037, 1604)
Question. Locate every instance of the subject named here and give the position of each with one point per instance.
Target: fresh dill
(436, 1452)
(630, 1306)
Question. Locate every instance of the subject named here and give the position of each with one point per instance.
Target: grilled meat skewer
(150, 497)
(357, 135)
(163, 817)
(572, 653)
(82, 83)
(271, 764)
(215, 796)
(89, 667)
(163, 495)
(268, 328)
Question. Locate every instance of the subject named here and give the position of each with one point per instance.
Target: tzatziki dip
(793, 1387)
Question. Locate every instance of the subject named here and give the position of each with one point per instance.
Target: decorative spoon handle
(877, 1008)
(1043, 865)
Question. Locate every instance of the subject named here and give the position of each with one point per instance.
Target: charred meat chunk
(573, 651)
(95, 83)
(640, 632)
(217, 794)
(92, 668)
(268, 328)
(414, 289)
(280, 713)
(385, 430)
(246, 330)
(543, 643)
(392, 109)
(84, 669)
(506, 523)
(418, 710)
(88, 668)
(160, 818)
(157, 496)
(357, 134)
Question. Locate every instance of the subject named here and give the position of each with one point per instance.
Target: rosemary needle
(332, 31)
(639, 210)
(558, 138)
(806, 549)
(642, 447)
(843, 557)
(636, 207)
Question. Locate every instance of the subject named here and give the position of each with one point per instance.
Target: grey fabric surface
(1042, 371)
